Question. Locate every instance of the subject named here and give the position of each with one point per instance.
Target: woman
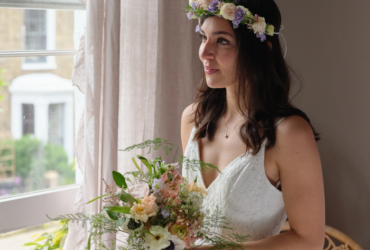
(243, 122)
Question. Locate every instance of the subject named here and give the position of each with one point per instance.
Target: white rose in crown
(259, 26)
(228, 10)
(204, 4)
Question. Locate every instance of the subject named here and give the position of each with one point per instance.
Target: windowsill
(31, 209)
(38, 66)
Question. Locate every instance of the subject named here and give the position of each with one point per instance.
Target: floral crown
(237, 14)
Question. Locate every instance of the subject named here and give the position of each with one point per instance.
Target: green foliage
(26, 150)
(52, 240)
(33, 160)
(119, 179)
(155, 144)
(55, 158)
(2, 83)
(194, 163)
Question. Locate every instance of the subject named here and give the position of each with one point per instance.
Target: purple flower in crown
(197, 28)
(213, 6)
(190, 15)
(262, 37)
(239, 16)
(194, 5)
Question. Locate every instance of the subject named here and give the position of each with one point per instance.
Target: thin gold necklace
(226, 129)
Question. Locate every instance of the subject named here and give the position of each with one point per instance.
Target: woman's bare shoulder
(187, 124)
(294, 126)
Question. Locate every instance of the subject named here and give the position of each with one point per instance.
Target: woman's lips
(210, 71)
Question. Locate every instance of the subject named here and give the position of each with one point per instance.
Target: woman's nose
(207, 51)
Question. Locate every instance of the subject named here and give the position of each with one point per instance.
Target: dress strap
(279, 121)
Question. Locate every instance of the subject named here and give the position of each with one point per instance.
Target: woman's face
(218, 52)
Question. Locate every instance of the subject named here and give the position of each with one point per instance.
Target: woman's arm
(298, 161)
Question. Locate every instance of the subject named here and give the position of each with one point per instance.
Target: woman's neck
(232, 110)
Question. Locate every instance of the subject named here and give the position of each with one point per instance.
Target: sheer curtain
(138, 67)
(160, 70)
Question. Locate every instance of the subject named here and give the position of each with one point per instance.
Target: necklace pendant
(226, 136)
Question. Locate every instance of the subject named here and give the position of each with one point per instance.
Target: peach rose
(138, 212)
(228, 10)
(194, 187)
(150, 205)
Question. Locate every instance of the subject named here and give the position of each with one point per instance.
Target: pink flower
(168, 192)
(139, 190)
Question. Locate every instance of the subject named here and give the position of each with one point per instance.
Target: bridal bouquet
(160, 209)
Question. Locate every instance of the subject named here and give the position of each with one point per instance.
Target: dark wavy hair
(263, 81)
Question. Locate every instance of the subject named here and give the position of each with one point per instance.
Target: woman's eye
(223, 41)
(202, 37)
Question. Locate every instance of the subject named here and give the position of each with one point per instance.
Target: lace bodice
(243, 193)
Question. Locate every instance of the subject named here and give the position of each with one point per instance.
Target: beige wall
(329, 45)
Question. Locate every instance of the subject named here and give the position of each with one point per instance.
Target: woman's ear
(270, 45)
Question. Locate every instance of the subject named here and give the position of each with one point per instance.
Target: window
(57, 124)
(39, 34)
(28, 119)
(35, 33)
(40, 110)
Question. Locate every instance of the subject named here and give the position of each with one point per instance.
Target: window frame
(30, 209)
(43, 4)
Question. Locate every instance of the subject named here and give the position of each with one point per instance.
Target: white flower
(179, 244)
(228, 11)
(270, 30)
(204, 4)
(259, 26)
(158, 238)
(139, 190)
(175, 165)
(192, 1)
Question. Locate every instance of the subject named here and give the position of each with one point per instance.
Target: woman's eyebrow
(217, 33)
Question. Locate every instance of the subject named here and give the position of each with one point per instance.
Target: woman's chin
(215, 85)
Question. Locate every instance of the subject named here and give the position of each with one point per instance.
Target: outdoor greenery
(53, 240)
(33, 159)
(2, 83)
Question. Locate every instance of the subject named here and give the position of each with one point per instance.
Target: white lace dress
(243, 193)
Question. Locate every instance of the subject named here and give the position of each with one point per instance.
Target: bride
(243, 122)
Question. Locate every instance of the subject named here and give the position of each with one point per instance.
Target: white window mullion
(23, 53)
(43, 4)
